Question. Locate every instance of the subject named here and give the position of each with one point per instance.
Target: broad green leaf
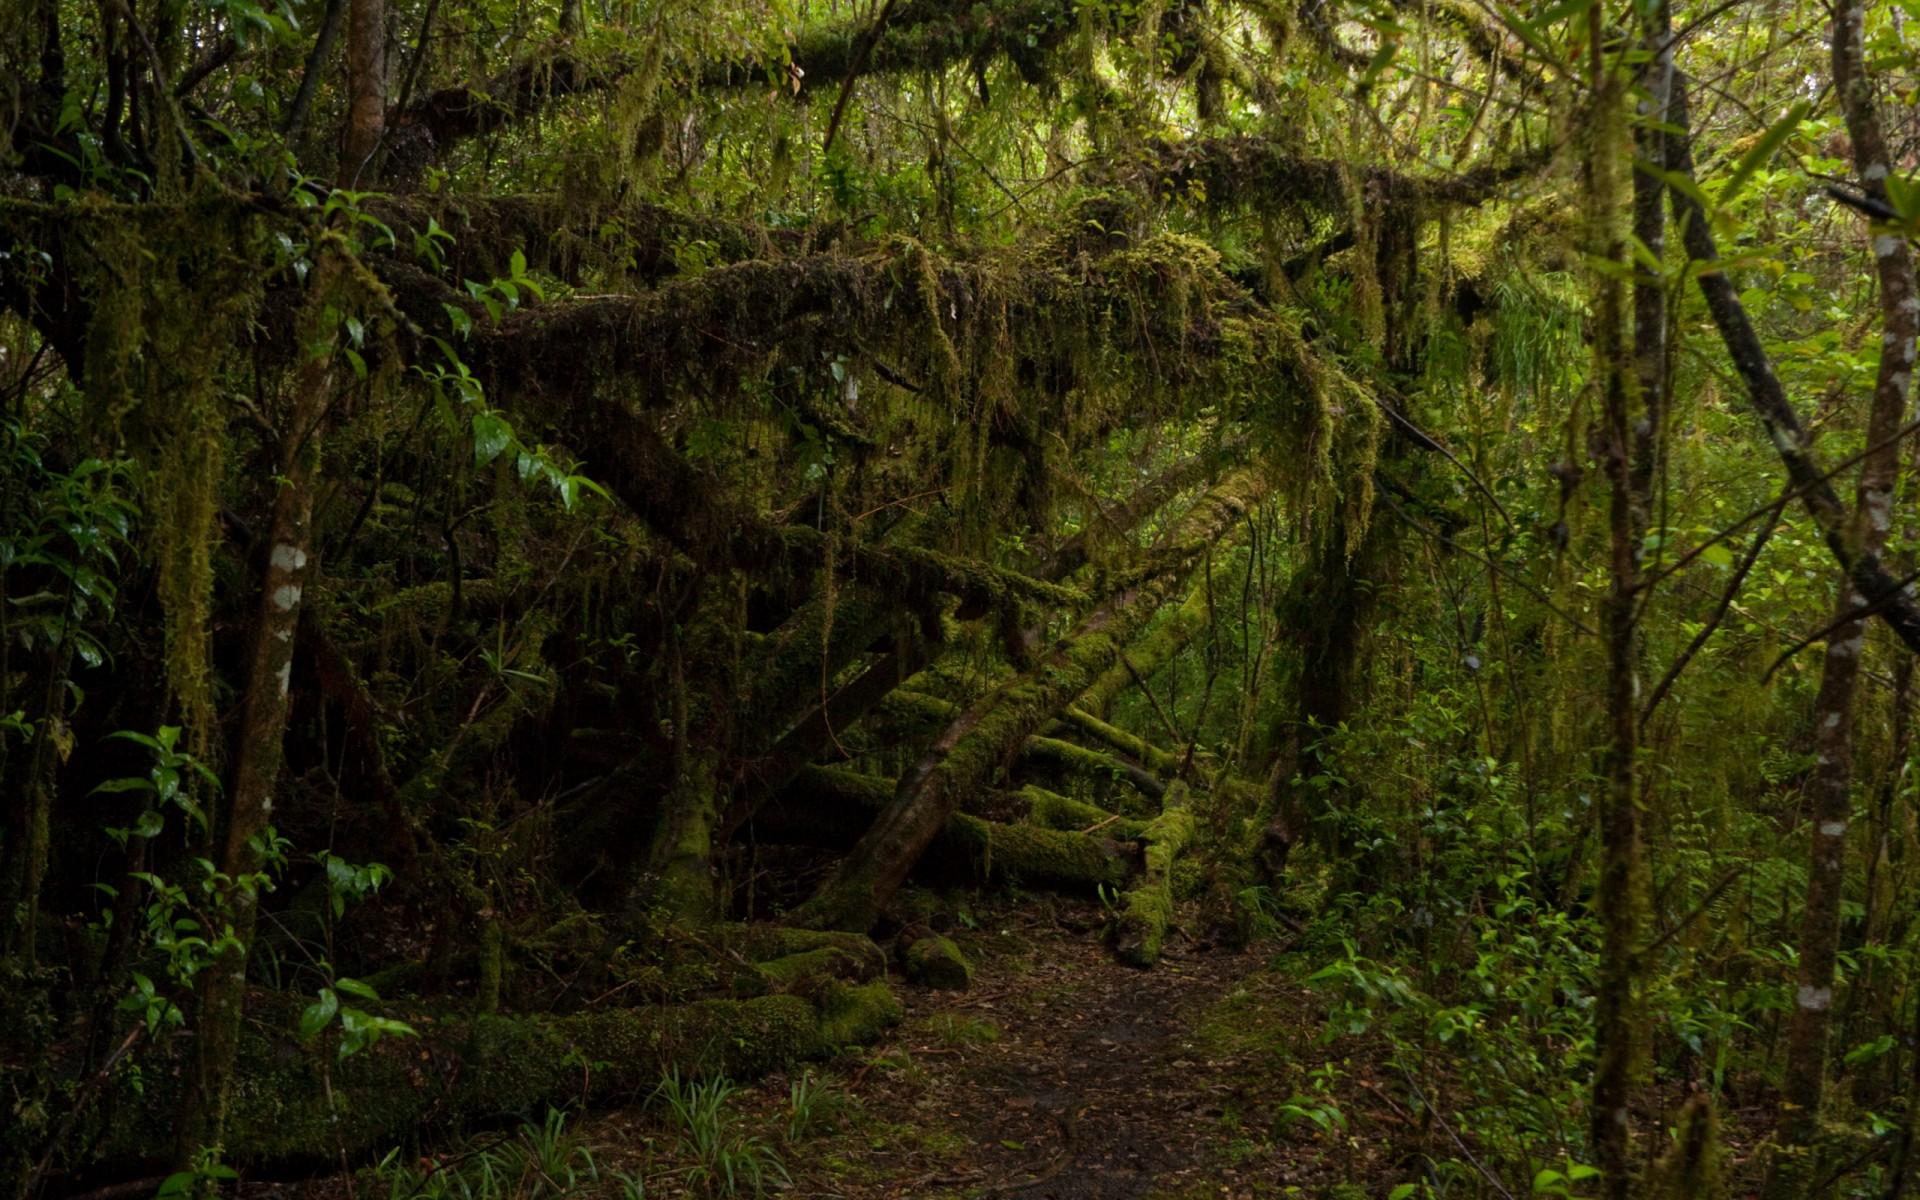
(319, 1014)
(491, 437)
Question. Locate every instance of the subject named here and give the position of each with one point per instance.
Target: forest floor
(1058, 1075)
(1062, 1075)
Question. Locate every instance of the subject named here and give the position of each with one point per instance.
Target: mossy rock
(934, 961)
(855, 1014)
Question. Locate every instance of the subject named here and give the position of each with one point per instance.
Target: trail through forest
(1063, 1075)
(1059, 1074)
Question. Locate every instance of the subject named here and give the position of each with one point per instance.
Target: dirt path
(1061, 1075)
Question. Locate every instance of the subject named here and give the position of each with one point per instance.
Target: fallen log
(298, 1102)
(1147, 909)
(833, 807)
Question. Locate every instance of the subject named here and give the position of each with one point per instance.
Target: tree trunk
(263, 722)
(1830, 796)
(259, 742)
(1621, 894)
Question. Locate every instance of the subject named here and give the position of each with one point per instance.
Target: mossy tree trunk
(965, 755)
(1830, 796)
(259, 740)
(1621, 895)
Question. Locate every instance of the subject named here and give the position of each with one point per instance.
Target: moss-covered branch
(965, 756)
(1263, 175)
(832, 807)
(1145, 658)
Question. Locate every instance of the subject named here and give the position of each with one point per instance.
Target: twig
(1488, 1175)
(79, 1105)
(853, 73)
(1852, 616)
(1152, 699)
(1732, 589)
(1427, 441)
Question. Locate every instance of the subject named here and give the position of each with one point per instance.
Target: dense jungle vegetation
(1351, 560)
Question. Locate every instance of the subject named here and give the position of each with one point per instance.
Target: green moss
(1031, 854)
(935, 962)
(1141, 929)
(1051, 810)
(855, 1014)
(784, 974)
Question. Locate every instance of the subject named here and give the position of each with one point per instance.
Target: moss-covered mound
(298, 1102)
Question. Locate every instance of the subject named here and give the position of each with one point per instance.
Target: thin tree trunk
(1891, 604)
(260, 739)
(367, 90)
(1621, 895)
(1830, 796)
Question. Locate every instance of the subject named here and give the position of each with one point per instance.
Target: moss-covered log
(1141, 928)
(1054, 811)
(964, 757)
(1151, 653)
(462, 1070)
(828, 806)
(1092, 764)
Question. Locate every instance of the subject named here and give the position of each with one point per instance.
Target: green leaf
(319, 1014)
(353, 987)
(129, 784)
(491, 437)
(1761, 151)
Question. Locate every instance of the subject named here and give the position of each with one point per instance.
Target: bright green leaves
(359, 1029)
(168, 780)
(61, 535)
(461, 401)
(1549, 1182)
(502, 296)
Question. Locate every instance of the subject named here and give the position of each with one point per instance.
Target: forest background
(540, 540)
